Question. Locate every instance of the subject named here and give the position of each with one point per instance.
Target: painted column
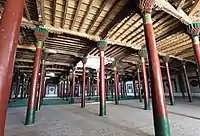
(198, 76)
(10, 27)
(187, 81)
(102, 45)
(171, 94)
(116, 82)
(41, 34)
(42, 79)
(142, 53)
(84, 61)
(122, 89)
(139, 82)
(73, 83)
(160, 115)
(193, 30)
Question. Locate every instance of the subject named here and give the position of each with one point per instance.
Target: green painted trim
(196, 40)
(72, 100)
(102, 42)
(39, 44)
(30, 117)
(147, 18)
(161, 126)
(102, 110)
(147, 105)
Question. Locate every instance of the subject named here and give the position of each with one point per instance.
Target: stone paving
(126, 119)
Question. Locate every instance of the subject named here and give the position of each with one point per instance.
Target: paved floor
(127, 119)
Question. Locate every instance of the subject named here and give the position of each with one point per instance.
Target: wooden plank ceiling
(76, 25)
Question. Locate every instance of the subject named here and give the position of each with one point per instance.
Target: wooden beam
(42, 12)
(76, 14)
(97, 15)
(122, 25)
(27, 12)
(86, 14)
(65, 13)
(57, 63)
(194, 8)
(126, 11)
(24, 60)
(54, 12)
(167, 7)
(107, 16)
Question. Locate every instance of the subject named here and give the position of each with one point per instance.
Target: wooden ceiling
(76, 25)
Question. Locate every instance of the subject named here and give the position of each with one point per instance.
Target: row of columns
(8, 40)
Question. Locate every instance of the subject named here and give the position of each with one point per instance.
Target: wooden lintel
(42, 12)
(65, 13)
(180, 4)
(167, 7)
(57, 63)
(76, 14)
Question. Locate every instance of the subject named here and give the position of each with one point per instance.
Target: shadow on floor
(180, 114)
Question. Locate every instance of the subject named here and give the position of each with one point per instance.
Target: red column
(73, 83)
(143, 53)
(9, 26)
(193, 30)
(161, 122)
(41, 87)
(84, 61)
(40, 34)
(171, 94)
(102, 45)
(187, 81)
(116, 83)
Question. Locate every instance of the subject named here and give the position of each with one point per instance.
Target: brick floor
(126, 119)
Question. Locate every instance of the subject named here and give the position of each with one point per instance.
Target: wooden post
(84, 61)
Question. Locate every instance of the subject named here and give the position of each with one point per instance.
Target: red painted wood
(9, 34)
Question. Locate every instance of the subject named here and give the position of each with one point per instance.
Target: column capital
(142, 52)
(84, 60)
(166, 58)
(146, 6)
(102, 45)
(41, 33)
(193, 29)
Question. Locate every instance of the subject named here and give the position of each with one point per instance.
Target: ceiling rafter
(97, 15)
(107, 16)
(27, 12)
(86, 14)
(178, 49)
(180, 4)
(122, 25)
(54, 12)
(65, 13)
(76, 14)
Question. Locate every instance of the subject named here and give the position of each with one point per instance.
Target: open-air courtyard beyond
(126, 119)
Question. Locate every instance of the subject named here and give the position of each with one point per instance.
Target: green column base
(72, 100)
(161, 126)
(102, 110)
(147, 105)
(30, 117)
